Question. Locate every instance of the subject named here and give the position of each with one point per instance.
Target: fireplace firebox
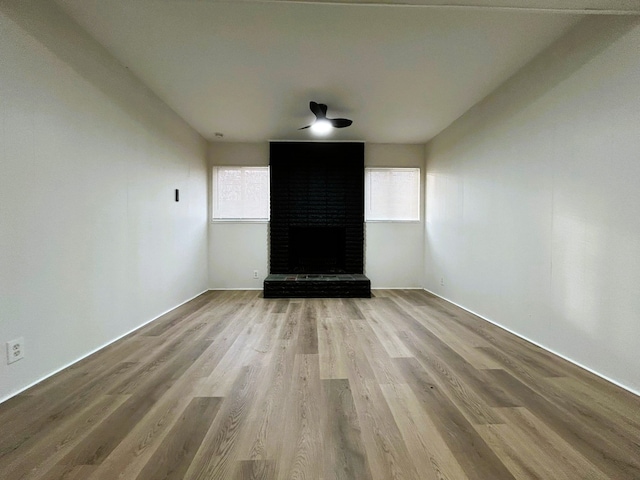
(316, 249)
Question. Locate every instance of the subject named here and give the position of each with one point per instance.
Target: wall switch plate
(255, 274)
(15, 350)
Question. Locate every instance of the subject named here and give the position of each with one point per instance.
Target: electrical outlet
(442, 281)
(15, 350)
(255, 274)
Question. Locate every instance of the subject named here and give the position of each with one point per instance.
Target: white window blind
(392, 194)
(240, 193)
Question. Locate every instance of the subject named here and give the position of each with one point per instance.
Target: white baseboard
(397, 288)
(232, 289)
(17, 392)
(564, 357)
(372, 288)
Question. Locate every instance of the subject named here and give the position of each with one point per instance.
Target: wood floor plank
(308, 336)
(387, 336)
(217, 454)
(291, 327)
(532, 450)
(622, 458)
(223, 335)
(132, 454)
(431, 454)
(379, 360)
(173, 457)
(303, 432)
(279, 305)
(240, 354)
(591, 417)
(256, 470)
(182, 314)
(358, 364)
(621, 409)
(474, 455)
(388, 456)
(461, 340)
(43, 418)
(336, 308)
(79, 472)
(401, 385)
(332, 354)
(36, 458)
(345, 455)
(476, 379)
(395, 315)
(117, 425)
(147, 371)
(543, 363)
(351, 309)
(453, 384)
(269, 341)
(75, 377)
(414, 297)
(263, 435)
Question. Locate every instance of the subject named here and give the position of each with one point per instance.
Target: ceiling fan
(322, 124)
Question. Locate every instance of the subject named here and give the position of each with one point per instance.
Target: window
(392, 194)
(240, 193)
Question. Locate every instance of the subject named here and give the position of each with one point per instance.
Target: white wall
(533, 201)
(393, 251)
(236, 249)
(92, 243)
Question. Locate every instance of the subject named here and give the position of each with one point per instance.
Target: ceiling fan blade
(318, 110)
(308, 126)
(340, 122)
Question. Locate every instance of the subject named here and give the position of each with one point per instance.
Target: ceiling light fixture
(323, 125)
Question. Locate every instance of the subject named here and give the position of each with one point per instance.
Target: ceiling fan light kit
(323, 125)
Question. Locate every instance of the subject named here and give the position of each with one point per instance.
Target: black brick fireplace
(316, 232)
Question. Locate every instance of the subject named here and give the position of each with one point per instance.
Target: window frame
(215, 201)
(367, 190)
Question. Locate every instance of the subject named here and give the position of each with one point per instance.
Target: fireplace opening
(317, 250)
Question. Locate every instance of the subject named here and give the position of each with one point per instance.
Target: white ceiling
(249, 69)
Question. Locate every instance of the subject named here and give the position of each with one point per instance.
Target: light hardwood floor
(400, 386)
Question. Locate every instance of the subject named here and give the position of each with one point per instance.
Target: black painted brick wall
(317, 184)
